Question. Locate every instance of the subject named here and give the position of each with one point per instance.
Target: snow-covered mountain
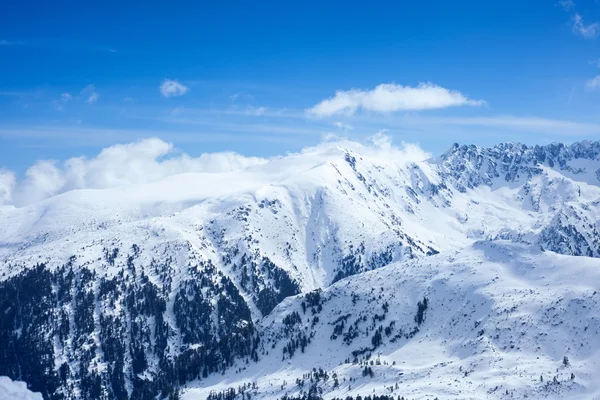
(492, 320)
(483, 267)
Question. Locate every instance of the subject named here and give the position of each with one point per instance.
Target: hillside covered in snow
(342, 270)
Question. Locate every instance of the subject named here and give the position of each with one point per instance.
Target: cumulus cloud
(406, 152)
(64, 97)
(593, 84)
(7, 185)
(144, 161)
(381, 140)
(587, 31)
(171, 88)
(390, 97)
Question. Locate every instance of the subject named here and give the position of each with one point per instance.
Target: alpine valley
(345, 271)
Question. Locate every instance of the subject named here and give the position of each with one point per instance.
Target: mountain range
(344, 271)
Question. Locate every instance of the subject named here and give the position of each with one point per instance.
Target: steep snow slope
(132, 291)
(499, 319)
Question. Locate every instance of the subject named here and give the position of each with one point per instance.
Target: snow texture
(12, 390)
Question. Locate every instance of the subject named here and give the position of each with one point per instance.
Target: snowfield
(16, 390)
(500, 319)
(342, 270)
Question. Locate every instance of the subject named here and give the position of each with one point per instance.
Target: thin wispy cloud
(567, 5)
(4, 42)
(241, 95)
(92, 98)
(510, 123)
(171, 88)
(256, 111)
(60, 44)
(343, 126)
(593, 84)
(239, 111)
(64, 99)
(90, 93)
(387, 98)
(588, 31)
(75, 135)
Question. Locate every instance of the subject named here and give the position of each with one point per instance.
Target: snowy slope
(10, 390)
(142, 288)
(499, 316)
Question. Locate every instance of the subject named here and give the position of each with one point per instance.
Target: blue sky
(260, 78)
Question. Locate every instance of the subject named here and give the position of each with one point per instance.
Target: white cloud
(593, 84)
(120, 165)
(588, 31)
(390, 97)
(92, 98)
(343, 126)
(378, 146)
(7, 185)
(88, 89)
(90, 92)
(42, 180)
(406, 152)
(256, 111)
(381, 140)
(170, 88)
(567, 5)
(241, 95)
(64, 98)
(327, 137)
